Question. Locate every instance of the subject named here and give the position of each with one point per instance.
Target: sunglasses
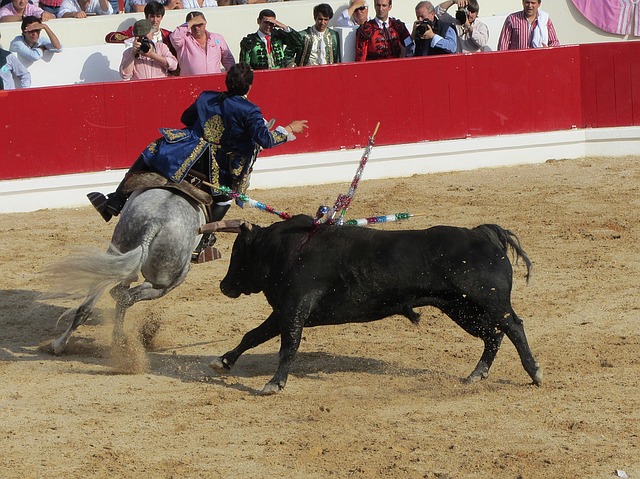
(361, 9)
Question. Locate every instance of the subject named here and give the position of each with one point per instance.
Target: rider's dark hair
(239, 79)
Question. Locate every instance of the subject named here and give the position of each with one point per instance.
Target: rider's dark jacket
(222, 130)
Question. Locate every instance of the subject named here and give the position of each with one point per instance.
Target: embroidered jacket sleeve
(363, 38)
(119, 37)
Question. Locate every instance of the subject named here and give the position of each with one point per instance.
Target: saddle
(145, 180)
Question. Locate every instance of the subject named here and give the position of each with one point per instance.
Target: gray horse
(155, 236)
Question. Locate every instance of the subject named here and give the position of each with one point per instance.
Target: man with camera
(473, 34)
(146, 59)
(274, 45)
(433, 36)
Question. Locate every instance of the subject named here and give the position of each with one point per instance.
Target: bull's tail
(507, 239)
(90, 272)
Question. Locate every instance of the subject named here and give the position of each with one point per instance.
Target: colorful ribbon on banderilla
(326, 214)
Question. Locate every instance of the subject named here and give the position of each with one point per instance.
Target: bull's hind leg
(491, 346)
(83, 312)
(267, 330)
(512, 326)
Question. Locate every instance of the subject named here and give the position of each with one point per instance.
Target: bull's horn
(226, 226)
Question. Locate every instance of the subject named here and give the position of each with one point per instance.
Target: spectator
(11, 67)
(383, 37)
(193, 4)
(145, 59)
(223, 3)
(274, 45)
(200, 51)
(18, 9)
(138, 5)
(530, 28)
(432, 35)
(82, 8)
(154, 13)
(320, 44)
(355, 15)
(472, 33)
(30, 46)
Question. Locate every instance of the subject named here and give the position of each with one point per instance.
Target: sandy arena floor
(379, 400)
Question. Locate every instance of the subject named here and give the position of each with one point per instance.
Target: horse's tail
(91, 271)
(507, 239)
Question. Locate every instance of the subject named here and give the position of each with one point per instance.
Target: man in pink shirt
(200, 51)
(530, 28)
(18, 9)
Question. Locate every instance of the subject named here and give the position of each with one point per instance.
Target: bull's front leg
(267, 330)
(289, 344)
(292, 323)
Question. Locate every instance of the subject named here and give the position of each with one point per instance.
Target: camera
(461, 15)
(421, 28)
(145, 44)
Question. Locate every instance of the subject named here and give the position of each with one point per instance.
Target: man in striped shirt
(530, 28)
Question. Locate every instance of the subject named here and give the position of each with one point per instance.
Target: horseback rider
(223, 135)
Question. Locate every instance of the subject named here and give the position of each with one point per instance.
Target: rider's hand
(297, 126)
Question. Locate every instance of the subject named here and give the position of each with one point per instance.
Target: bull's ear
(246, 226)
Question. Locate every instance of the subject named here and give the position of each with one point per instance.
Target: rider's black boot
(112, 204)
(108, 206)
(204, 251)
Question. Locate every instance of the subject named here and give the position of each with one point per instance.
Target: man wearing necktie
(383, 37)
(320, 44)
(274, 45)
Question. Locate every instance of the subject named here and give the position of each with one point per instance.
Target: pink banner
(613, 16)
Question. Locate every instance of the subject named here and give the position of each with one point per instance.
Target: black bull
(315, 275)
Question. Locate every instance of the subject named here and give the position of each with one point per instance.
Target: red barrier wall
(93, 127)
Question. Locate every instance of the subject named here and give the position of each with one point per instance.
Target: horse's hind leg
(81, 314)
(126, 297)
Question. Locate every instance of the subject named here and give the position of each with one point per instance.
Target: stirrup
(208, 253)
(99, 202)
(205, 251)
